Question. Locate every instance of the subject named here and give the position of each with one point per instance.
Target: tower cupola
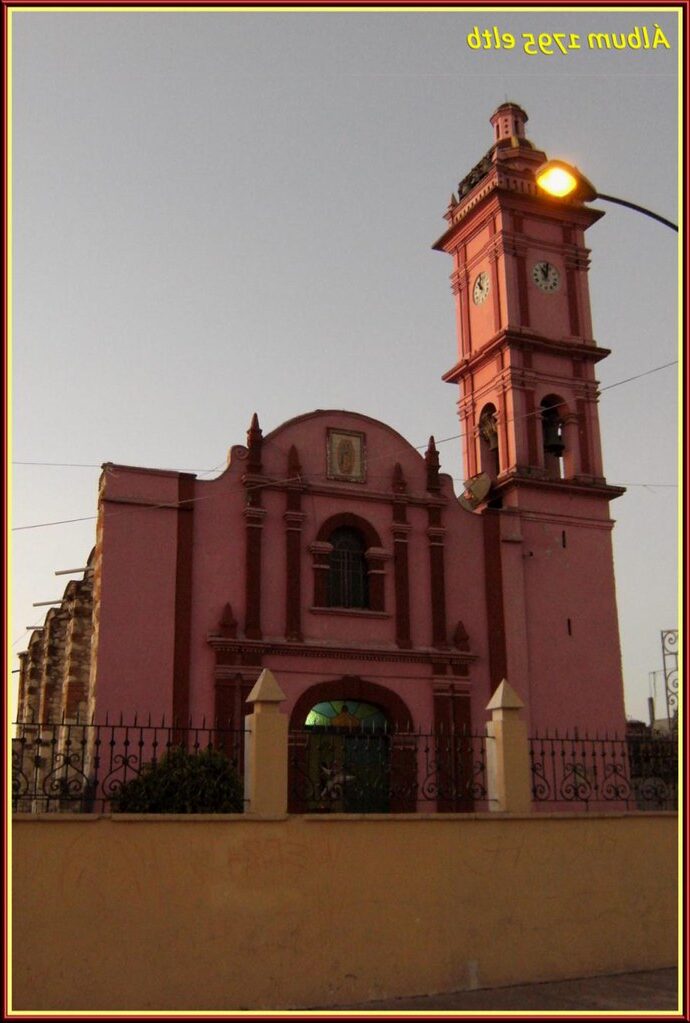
(509, 123)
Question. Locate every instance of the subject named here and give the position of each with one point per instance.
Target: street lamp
(562, 181)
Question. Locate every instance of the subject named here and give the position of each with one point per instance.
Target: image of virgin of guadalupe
(345, 457)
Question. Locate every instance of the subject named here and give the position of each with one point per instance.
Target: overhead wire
(272, 483)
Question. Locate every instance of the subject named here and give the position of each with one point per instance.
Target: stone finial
(266, 689)
(228, 623)
(432, 465)
(294, 467)
(505, 698)
(254, 444)
(460, 638)
(399, 481)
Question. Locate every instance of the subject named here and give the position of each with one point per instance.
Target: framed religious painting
(346, 456)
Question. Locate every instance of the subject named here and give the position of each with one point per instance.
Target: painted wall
(232, 913)
(140, 584)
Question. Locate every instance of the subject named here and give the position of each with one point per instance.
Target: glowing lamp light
(561, 180)
(557, 181)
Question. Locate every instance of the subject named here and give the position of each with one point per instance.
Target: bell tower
(529, 422)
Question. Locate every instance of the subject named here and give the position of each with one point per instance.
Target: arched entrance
(350, 750)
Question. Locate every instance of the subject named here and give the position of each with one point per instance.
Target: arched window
(348, 581)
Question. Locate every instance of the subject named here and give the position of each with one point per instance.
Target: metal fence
(73, 767)
(352, 770)
(636, 773)
(81, 767)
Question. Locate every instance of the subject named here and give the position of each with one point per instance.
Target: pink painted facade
(174, 576)
(199, 584)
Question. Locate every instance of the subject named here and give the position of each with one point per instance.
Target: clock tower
(529, 422)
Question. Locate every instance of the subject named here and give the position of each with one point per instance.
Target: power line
(418, 447)
(64, 465)
(260, 486)
(638, 375)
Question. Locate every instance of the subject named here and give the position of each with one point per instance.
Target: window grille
(348, 584)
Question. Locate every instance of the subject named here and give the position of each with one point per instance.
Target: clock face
(481, 288)
(546, 276)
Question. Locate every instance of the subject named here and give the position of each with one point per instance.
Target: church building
(334, 553)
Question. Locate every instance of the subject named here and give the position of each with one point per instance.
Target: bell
(553, 441)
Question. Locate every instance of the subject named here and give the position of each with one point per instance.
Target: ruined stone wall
(54, 673)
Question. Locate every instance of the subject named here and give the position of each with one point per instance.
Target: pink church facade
(334, 553)
(241, 577)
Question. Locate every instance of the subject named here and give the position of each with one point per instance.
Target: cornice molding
(263, 648)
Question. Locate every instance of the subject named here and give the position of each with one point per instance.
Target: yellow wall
(232, 913)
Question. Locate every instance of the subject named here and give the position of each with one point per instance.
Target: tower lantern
(509, 122)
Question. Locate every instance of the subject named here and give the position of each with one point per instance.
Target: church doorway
(351, 750)
(348, 758)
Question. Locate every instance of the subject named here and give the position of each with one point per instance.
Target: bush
(183, 782)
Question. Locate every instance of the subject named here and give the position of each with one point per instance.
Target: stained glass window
(346, 714)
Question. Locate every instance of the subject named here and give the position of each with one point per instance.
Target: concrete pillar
(266, 750)
(507, 754)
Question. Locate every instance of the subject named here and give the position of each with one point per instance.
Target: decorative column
(507, 754)
(183, 597)
(532, 422)
(375, 558)
(493, 267)
(321, 551)
(266, 750)
(493, 592)
(401, 530)
(571, 453)
(583, 438)
(459, 286)
(254, 515)
(571, 266)
(518, 250)
(436, 532)
(454, 753)
(294, 517)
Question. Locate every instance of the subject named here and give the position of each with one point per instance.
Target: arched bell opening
(489, 459)
(553, 436)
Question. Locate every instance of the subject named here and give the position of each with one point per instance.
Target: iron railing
(79, 767)
(638, 773)
(351, 770)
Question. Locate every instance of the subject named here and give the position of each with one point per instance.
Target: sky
(216, 213)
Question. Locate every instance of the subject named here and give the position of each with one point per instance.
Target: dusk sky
(216, 213)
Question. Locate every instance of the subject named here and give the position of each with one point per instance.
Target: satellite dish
(476, 489)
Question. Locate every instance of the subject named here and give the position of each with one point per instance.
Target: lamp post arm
(639, 209)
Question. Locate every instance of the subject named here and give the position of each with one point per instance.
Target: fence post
(266, 749)
(508, 766)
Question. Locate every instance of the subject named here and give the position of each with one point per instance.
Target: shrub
(183, 782)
